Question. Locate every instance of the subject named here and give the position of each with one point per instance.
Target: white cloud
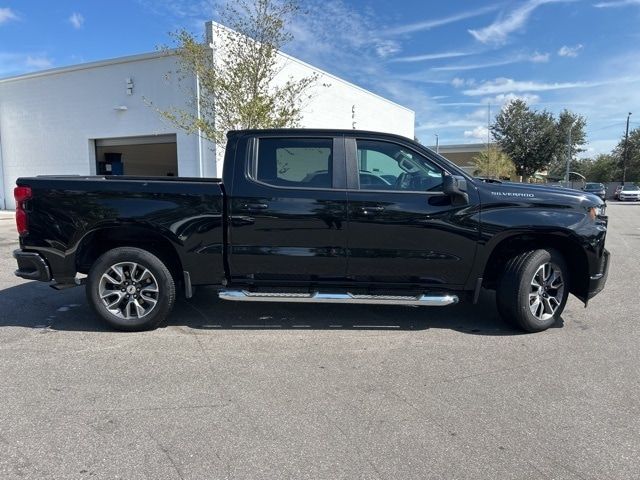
(333, 35)
(458, 82)
(6, 14)
(506, 85)
(461, 104)
(430, 56)
(386, 48)
(439, 22)
(618, 3)
(595, 147)
(16, 63)
(537, 57)
(478, 133)
(476, 66)
(567, 51)
(407, 94)
(444, 124)
(38, 62)
(498, 32)
(479, 114)
(422, 76)
(77, 20)
(497, 100)
(504, 98)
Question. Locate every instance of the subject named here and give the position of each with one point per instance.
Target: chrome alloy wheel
(129, 290)
(547, 290)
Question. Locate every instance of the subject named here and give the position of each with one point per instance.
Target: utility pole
(566, 175)
(624, 153)
(437, 143)
(488, 127)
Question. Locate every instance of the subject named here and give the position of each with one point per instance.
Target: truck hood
(529, 193)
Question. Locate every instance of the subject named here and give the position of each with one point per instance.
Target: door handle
(372, 210)
(250, 207)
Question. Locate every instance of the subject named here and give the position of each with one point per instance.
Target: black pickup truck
(318, 216)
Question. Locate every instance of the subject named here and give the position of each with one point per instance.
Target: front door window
(388, 166)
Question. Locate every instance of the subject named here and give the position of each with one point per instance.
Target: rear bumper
(598, 280)
(32, 266)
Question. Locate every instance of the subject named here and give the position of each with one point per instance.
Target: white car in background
(629, 192)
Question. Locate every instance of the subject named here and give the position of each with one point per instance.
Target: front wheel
(533, 289)
(131, 289)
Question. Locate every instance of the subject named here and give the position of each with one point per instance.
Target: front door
(288, 212)
(402, 227)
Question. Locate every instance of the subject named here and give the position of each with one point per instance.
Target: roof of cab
(313, 131)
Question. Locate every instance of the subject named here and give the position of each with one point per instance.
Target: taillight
(21, 195)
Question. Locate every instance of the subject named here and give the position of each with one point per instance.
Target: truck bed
(78, 216)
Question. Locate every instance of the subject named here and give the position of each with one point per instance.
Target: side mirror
(456, 187)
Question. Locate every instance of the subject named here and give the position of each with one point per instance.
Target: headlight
(597, 211)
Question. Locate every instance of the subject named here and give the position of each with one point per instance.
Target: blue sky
(445, 60)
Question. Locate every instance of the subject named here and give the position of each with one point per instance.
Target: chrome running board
(431, 300)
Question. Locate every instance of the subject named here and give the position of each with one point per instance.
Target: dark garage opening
(155, 155)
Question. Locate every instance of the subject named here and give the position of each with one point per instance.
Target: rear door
(402, 227)
(288, 211)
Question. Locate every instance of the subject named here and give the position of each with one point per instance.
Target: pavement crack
(491, 372)
(166, 453)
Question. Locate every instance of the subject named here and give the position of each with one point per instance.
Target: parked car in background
(616, 194)
(629, 192)
(597, 189)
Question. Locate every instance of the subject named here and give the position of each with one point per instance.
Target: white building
(96, 118)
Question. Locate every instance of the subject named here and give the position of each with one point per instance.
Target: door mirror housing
(455, 187)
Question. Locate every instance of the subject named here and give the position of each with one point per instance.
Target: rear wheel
(533, 290)
(131, 289)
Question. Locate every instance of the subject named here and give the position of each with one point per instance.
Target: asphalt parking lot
(261, 391)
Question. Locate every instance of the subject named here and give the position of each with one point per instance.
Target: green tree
(577, 123)
(604, 168)
(494, 163)
(633, 156)
(236, 78)
(528, 137)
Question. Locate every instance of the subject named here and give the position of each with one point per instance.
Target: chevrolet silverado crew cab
(317, 216)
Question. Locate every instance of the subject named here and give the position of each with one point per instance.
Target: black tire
(158, 274)
(515, 287)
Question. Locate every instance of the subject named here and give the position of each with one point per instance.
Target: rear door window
(295, 162)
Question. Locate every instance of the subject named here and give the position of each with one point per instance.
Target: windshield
(594, 186)
(631, 187)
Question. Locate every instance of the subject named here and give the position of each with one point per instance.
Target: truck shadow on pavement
(35, 305)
